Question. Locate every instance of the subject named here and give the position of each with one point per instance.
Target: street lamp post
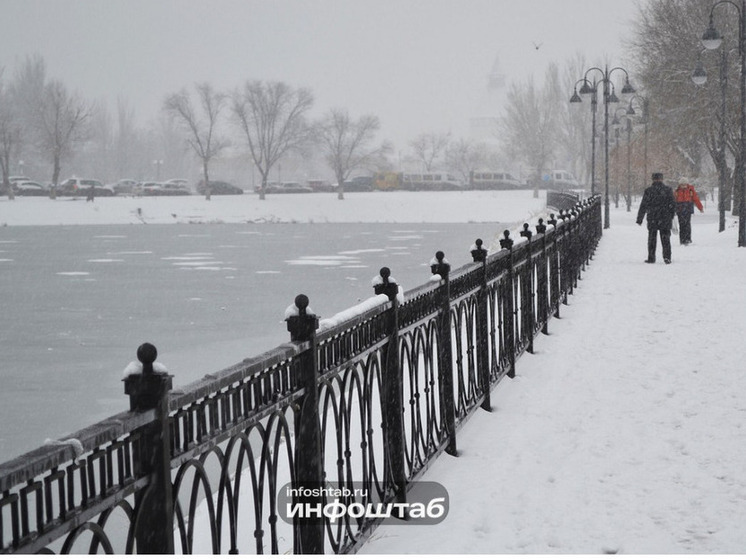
(628, 120)
(609, 96)
(594, 105)
(616, 123)
(699, 77)
(644, 120)
(158, 163)
(711, 39)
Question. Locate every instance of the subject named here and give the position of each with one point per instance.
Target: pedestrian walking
(686, 198)
(659, 204)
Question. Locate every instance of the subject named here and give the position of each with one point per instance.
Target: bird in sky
(537, 45)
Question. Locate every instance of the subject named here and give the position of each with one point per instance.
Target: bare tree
(10, 134)
(202, 130)
(62, 121)
(464, 157)
(272, 117)
(429, 147)
(348, 144)
(530, 125)
(686, 118)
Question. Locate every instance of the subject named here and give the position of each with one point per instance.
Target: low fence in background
(365, 402)
(562, 200)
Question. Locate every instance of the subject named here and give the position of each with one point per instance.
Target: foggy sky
(419, 65)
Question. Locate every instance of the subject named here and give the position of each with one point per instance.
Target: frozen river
(77, 302)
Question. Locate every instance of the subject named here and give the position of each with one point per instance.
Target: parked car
(80, 187)
(150, 188)
(178, 184)
(319, 185)
(11, 180)
(29, 188)
(359, 184)
(287, 188)
(175, 187)
(125, 186)
(219, 187)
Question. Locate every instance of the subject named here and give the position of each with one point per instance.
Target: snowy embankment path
(626, 430)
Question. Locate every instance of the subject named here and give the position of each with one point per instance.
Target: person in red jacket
(686, 199)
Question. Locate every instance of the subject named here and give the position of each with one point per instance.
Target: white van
(560, 180)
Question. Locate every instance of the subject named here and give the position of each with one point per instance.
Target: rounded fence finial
(147, 354)
(301, 301)
(385, 274)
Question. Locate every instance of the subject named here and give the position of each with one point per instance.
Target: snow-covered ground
(357, 207)
(626, 430)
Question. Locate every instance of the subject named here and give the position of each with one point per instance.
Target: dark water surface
(77, 302)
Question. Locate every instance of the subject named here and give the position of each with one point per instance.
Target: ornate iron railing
(365, 402)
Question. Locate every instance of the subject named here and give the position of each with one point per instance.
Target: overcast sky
(419, 65)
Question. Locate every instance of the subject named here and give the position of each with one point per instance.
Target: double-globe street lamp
(609, 96)
(711, 39)
(617, 124)
(594, 105)
(699, 77)
(643, 105)
(628, 114)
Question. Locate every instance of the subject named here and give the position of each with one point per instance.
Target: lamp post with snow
(699, 77)
(643, 104)
(609, 96)
(617, 124)
(711, 39)
(158, 163)
(594, 106)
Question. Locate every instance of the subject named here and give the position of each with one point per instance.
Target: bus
(494, 180)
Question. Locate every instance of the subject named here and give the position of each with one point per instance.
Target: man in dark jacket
(659, 204)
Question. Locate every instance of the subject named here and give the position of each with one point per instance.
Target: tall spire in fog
(488, 110)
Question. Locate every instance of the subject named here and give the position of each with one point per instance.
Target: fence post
(542, 279)
(439, 265)
(527, 291)
(393, 399)
(302, 326)
(479, 254)
(154, 526)
(508, 315)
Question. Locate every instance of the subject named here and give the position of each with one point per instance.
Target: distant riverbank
(357, 207)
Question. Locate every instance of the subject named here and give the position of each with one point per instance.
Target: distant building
(483, 126)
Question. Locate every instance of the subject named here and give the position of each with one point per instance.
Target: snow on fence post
(440, 266)
(302, 325)
(479, 254)
(506, 243)
(154, 524)
(542, 280)
(527, 291)
(393, 400)
(565, 256)
(555, 287)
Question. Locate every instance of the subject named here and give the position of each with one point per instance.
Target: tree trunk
(56, 169)
(340, 187)
(208, 189)
(263, 189)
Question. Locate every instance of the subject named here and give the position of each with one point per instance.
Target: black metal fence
(562, 200)
(367, 400)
